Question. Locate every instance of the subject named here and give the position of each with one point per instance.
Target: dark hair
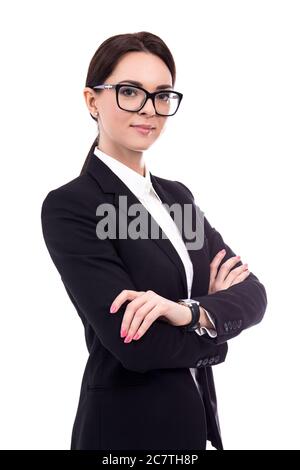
(109, 53)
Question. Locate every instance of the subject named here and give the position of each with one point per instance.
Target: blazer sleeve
(94, 274)
(240, 306)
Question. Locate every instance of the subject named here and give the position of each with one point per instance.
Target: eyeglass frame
(117, 86)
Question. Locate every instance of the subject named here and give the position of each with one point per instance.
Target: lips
(143, 126)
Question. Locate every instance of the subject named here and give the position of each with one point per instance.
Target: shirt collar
(140, 185)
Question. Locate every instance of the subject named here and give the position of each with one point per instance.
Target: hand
(226, 278)
(144, 309)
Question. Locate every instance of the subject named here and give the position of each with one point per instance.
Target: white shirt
(142, 188)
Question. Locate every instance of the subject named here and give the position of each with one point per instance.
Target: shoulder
(174, 185)
(79, 192)
(68, 212)
(186, 193)
(186, 190)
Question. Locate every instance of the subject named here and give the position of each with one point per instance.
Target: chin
(138, 147)
(143, 148)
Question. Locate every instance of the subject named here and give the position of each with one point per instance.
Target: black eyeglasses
(133, 98)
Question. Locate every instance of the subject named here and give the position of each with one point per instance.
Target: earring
(96, 113)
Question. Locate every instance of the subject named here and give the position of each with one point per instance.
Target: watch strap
(194, 307)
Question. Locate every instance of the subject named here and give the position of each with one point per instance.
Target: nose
(148, 107)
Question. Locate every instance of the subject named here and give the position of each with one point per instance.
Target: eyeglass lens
(131, 99)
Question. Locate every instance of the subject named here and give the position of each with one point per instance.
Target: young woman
(157, 310)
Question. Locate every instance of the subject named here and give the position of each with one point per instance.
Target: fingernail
(223, 251)
(238, 257)
(123, 333)
(127, 339)
(113, 309)
(136, 336)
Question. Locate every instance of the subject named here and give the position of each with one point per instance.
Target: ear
(90, 99)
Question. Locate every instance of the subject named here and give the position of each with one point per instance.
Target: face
(116, 125)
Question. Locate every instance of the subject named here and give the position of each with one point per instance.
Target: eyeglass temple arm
(104, 86)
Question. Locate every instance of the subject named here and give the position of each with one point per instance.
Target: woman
(157, 311)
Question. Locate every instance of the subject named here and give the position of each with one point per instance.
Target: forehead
(146, 68)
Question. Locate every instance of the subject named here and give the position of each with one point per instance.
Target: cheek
(115, 120)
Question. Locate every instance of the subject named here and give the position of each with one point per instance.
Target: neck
(131, 158)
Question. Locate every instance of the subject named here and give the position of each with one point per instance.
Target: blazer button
(239, 323)
(199, 363)
(226, 327)
(230, 325)
(211, 361)
(217, 358)
(205, 362)
(234, 325)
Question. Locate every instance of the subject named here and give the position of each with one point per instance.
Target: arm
(94, 275)
(206, 324)
(240, 306)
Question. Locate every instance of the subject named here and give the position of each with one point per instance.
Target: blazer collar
(112, 184)
(138, 184)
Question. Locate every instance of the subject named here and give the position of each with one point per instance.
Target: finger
(148, 321)
(214, 265)
(227, 266)
(122, 297)
(138, 319)
(241, 277)
(130, 312)
(235, 273)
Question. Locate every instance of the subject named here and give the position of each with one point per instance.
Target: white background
(234, 143)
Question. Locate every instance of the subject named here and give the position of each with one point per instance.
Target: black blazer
(141, 395)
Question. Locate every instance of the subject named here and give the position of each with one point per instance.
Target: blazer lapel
(198, 256)
(111, 183)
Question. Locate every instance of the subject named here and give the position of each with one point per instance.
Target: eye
(164, 96)
(128, 91)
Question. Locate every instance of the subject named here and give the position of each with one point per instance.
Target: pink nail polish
(136, 336)
(127, 339)
(123, 333)
(112, 309)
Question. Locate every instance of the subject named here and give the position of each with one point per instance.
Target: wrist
(204, 320)
(193, 321)
(186, 315)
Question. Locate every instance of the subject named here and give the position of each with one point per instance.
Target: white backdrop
(234, 143)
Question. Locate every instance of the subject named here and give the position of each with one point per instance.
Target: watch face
(190, 301)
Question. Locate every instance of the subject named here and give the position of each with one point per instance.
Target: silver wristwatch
(194, 307)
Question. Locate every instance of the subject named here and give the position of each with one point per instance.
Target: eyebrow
(159, 87)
